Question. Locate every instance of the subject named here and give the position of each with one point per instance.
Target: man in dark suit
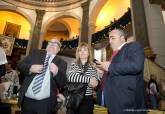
(124, 86)
(45, 75)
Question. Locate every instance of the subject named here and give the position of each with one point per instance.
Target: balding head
(120, 32)
(116, 38)
(53, 46)
(55, 40)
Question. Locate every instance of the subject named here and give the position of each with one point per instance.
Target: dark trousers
(86, 106)
(31, 106)
(154, 102)
(5, 109)
(99, 96)
(2, 70)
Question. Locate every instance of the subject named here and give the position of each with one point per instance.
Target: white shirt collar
(121, 46)
(51, 55)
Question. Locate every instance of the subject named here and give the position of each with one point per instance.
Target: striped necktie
(38, 80)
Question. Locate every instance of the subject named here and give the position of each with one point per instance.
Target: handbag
(74, 93)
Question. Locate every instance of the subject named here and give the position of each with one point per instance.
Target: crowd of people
(118, 82)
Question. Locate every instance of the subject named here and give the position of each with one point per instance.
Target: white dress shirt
(3, 59)
(45, 89)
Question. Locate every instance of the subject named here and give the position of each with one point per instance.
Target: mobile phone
(96, 61)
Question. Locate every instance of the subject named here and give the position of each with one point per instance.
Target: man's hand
(53, 68)
(100, 72)
(103, 65)
(36, 68)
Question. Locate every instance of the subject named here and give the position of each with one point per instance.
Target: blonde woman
(82, 71)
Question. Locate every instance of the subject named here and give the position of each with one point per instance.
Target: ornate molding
(48, 5)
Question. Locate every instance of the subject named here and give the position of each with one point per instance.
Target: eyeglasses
(54, 43)
(114, 37)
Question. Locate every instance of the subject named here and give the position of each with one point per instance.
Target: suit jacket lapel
(55, 59)
(43, 56)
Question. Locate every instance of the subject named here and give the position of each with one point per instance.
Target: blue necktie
(40, 77)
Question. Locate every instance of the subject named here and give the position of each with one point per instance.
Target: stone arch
(16, 10)
(63, 14)
(95, 11)
(56, 16)
(67, 26)
(22, 13)
(60, 21)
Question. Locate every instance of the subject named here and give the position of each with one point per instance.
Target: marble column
(84, 24)
(29, 42)
(92, 28)
(34, 43)
(139, 22)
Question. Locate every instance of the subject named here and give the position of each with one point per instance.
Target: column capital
(40, 12)
(85, 4)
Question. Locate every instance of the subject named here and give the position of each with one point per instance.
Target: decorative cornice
(48, 5)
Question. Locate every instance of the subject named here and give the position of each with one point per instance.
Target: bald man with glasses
(45, 76)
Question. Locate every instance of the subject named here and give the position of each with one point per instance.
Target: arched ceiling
(67, 26)
(12, 17)
(57, 29)
(57, 26)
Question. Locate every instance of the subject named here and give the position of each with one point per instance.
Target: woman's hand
(93, 82)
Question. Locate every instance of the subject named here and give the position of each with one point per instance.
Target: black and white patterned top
(74, 74)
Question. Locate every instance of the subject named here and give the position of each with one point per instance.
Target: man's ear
(123, 38)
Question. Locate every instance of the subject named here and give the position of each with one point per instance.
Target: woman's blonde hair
(80, 46)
